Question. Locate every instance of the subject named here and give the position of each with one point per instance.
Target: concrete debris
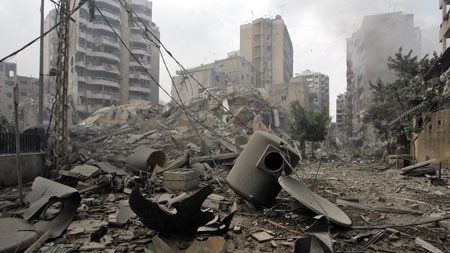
(262, 236)
(181, 180)
(209, 187)
(407, 169)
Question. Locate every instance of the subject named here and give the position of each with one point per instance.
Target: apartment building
(444, 32)
(28, 88)
(368, 50)
(319, 88)
(192, 83)
(285, 94)
(267, 44)
(102, 72)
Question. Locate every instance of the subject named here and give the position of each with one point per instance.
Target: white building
(102, 72)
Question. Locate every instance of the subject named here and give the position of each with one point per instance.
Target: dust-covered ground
(394, 211)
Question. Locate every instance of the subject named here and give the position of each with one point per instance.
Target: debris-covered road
(151, 159)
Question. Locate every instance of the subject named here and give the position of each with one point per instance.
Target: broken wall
(434, 139)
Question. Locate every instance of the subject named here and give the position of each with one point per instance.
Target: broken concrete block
(87, 171)
(243, 116)
(216, 203)
(262, 236)
(88, 246)
(181, 179)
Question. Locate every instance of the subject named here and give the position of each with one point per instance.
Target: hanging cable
(154, 80)
(43, 35)
(145, 29)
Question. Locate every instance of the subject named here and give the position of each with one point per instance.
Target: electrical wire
(145, 29)
(154, 80)
(42, 35)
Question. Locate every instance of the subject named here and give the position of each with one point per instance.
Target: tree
(308, 125)
(5, 126)
(395, 104)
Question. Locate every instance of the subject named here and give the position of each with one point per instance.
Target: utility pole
(62, 80)
(41, 69)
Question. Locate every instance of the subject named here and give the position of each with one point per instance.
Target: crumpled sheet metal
(44, 193)
(16, 235)
(145, 159)
(318, 240)
(313, 201)
(185, 222)
(219, 227)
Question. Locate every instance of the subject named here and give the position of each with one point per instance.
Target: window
(283, 98)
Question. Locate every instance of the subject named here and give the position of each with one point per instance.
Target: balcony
(139, 89)
(105, 41)
(102, 81)
(104, 67)
(111, 56)
(444, 32)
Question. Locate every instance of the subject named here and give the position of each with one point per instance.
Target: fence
(28, 143)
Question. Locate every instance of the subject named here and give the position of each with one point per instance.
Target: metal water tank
(255, 174)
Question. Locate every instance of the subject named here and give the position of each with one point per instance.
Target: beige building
(319, 86)
(28, 88)
(102, 72)
(234, 70)
(266, 43)
(434, 140)
(284, 94)
(368, 50)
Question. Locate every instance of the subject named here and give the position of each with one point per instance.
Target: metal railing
(28, 143)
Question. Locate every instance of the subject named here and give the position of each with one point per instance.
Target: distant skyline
(200, 31)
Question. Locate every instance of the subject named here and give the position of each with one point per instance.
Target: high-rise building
(444, 32)
(368, 50)
(102, 72)
(266, 43)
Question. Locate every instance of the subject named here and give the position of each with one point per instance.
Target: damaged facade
(366, 62)
(220, 75)
(433, 141)
(102, 71)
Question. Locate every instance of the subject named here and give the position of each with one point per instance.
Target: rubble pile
(154, 178)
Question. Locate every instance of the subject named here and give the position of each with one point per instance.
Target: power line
(154, 80)
(43, 35)
(145, 29)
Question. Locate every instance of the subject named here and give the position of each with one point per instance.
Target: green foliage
(5, 126)
(404, 94)
(308, 125)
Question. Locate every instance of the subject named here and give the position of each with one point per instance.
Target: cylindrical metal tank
(255, 174)
(144, 159)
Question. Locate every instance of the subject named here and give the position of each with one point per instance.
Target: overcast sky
(201, 31)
